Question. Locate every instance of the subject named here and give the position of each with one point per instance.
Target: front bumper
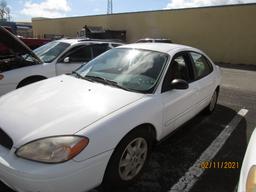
(27, 176)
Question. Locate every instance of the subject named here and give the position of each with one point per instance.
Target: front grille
(5, 140)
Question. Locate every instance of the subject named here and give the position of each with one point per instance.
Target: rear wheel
(128, 159)
(211, 107)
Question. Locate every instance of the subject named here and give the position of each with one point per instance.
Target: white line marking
(186, 182)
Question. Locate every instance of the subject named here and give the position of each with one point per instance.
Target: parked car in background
(32, 43)
(152, 40)
(247, 181)
(98, 125)
(22, 66)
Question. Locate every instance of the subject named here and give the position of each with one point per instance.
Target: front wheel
(128, 159)
(30, 80)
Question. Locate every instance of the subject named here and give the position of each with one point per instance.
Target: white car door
(73, 59)
(178, 104)
(205, 79)
(78, 56)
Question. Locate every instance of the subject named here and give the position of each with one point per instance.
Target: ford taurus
(98, 125)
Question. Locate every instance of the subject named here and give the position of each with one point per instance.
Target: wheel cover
(133, 159)
(213, 101)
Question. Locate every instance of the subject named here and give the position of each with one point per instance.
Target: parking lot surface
(173, 163)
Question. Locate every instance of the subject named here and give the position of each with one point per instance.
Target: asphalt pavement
(173, 163)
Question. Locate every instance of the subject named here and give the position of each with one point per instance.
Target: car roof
(70, 41)
(86, 41)
(160, 47)
(152, 39)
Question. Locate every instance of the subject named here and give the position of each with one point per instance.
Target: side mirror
(179, 84)
(66, 60)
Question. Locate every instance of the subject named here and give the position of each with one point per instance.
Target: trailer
(98, 32)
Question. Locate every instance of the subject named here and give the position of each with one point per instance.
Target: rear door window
(202, 65)
(99, 49)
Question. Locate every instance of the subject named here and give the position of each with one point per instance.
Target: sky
(24, 10)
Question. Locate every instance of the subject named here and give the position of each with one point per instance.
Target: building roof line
(150, 11)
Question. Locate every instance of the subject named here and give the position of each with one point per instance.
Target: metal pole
(110, 7)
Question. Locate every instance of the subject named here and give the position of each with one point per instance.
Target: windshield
(131, 69)
(50, 51)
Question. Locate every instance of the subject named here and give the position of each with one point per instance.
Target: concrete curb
(249, 67)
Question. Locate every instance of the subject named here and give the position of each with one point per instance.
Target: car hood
(12, 42)
(58, 106)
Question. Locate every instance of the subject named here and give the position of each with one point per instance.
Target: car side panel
(66, 68)
(5, 88)
(207, 86)
(14, 77)
(206, 89)
(105, 134)
(179, 106)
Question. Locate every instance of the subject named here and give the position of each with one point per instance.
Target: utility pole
(110, 7)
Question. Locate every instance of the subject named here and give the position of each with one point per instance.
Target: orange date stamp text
(219, 165)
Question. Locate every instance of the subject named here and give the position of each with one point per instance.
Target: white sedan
(22, 66)
(247, 181)
(74, 132)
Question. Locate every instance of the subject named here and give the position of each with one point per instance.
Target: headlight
(251, 180)
(53, 149)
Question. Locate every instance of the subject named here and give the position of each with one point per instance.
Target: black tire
(30, 80)
(212, 105)
(114, 178)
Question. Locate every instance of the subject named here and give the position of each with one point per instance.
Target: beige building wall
(227, 34)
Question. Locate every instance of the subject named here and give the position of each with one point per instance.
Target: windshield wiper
(77, 74)
(106, 81)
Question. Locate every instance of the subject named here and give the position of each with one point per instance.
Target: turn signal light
(1, 76)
